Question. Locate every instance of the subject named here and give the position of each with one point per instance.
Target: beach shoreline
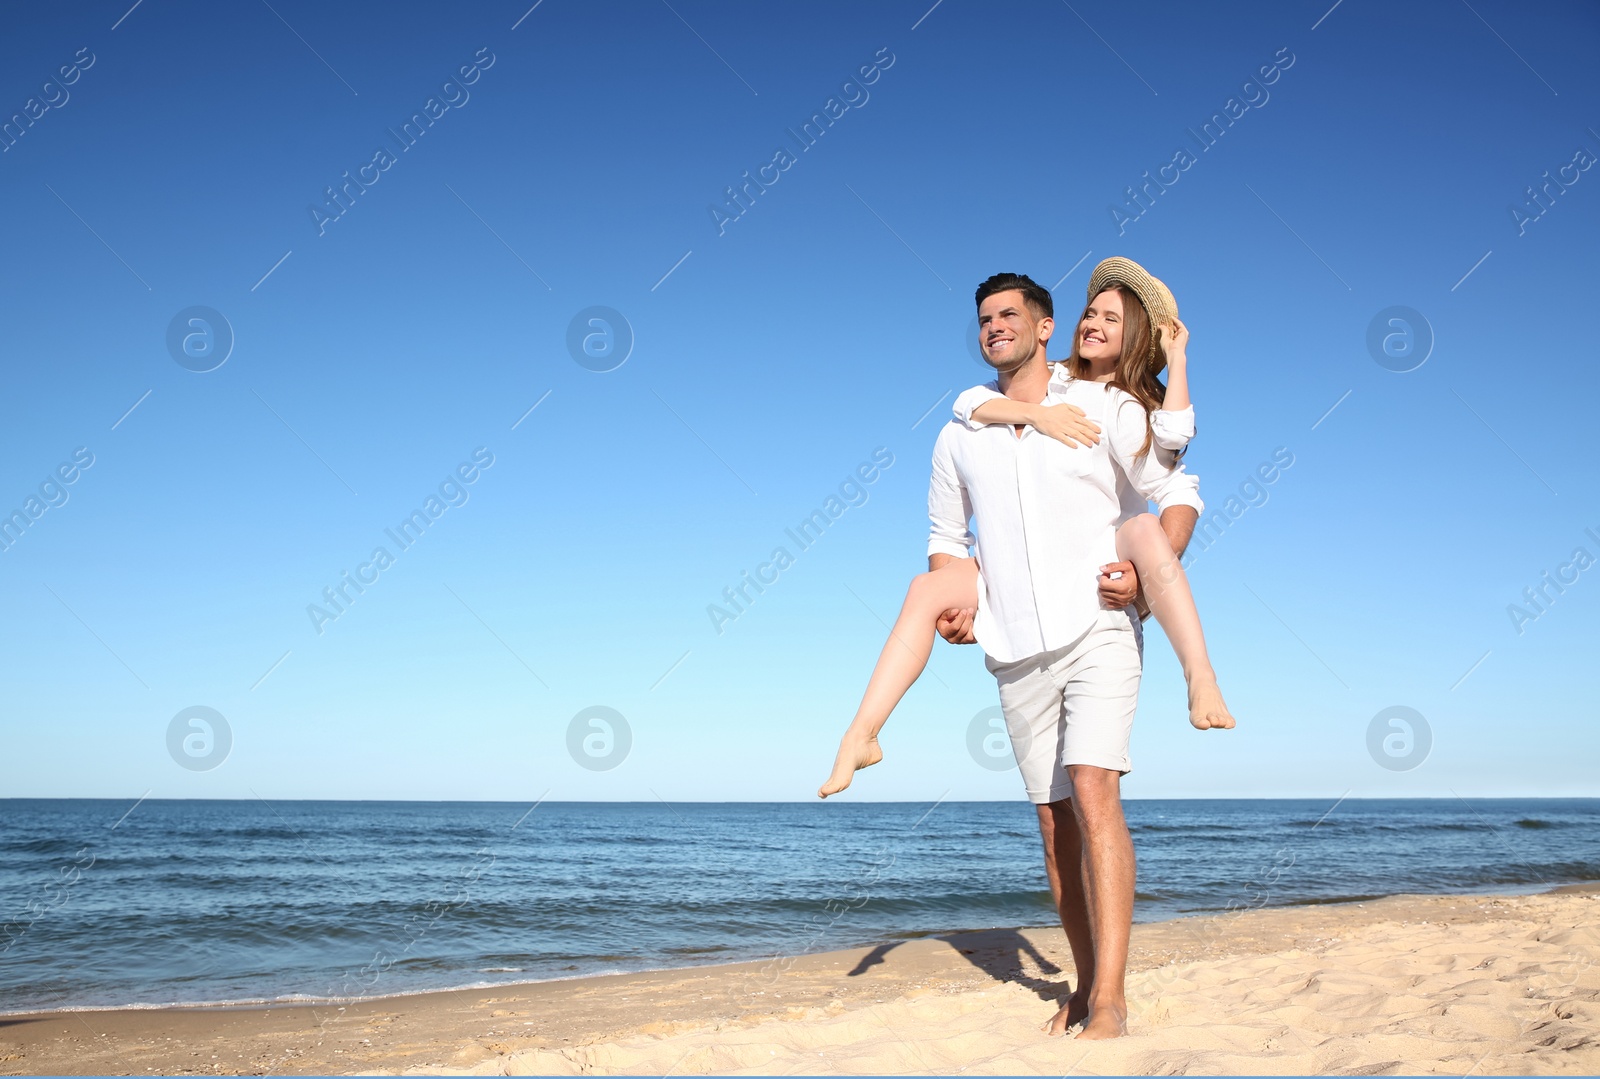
(804, 1013)
(307, 1001)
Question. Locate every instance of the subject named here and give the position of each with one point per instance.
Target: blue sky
(577, 163)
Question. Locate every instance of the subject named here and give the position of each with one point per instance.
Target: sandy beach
(1405, 984)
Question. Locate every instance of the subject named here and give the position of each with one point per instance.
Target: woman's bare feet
(1073, 1012)
(1207, 709)
(855, 753)
(1104, 1022)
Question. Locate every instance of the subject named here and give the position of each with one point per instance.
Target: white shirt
(1045, 515)
(1170, 430)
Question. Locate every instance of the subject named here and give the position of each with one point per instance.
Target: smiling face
(1100, 330)
(1009, 331)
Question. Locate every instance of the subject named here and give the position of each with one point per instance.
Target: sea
(110, 903)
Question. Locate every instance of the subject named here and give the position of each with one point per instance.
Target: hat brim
(1157, 298)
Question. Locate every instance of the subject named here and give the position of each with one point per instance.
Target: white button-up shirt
(1045, 515)
(1170, 431)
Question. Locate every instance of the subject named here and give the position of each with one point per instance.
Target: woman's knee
(1143, 536)
(1139, 527)
(922, 587)
(923, 595)
(943, 589)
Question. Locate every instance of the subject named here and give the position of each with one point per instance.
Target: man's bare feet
(1106, 1021)
(1073, 1012)
(855, 753)
(1207, 709)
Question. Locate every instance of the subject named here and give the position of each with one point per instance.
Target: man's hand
(1067, 423)
(956, 626)
(1117, 592)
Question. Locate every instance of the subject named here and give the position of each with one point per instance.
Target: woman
(1128, 332)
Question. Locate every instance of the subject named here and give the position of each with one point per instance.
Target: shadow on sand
(999, 953)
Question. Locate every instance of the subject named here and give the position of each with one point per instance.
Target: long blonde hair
(1142, 358)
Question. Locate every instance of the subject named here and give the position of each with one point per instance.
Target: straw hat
(1157, 298)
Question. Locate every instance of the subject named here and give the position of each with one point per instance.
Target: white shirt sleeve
(1173, 430)
(1158, 481)
(949, 507)
(970, 401)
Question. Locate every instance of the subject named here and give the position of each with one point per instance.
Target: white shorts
(1073, 705)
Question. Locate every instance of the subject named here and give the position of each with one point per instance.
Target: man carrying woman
(1055, 467)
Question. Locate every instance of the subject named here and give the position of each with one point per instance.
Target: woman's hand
(1175, 342)
(1066, 423)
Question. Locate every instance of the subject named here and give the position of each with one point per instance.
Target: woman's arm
(1163, 482)
(1173, 423)
(1175, 341)
(1066, 423)
(968, 400)
(1002, 409)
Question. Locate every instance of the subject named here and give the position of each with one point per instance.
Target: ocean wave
(229, 903)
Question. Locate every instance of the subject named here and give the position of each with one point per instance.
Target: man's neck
(1029, 382)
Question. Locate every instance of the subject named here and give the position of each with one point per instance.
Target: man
(1062, 642)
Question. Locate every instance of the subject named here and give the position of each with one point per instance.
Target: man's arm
(953, 625)
(949, 510)
(1178, 523)
(1116, 593)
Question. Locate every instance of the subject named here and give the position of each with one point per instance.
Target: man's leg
(1100, 695)
(1063, 856)
(1031, 698)
(1108, 882)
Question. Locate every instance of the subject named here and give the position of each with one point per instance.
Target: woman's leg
(953, 586)
(1141, 541)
